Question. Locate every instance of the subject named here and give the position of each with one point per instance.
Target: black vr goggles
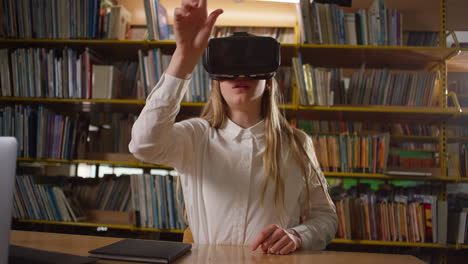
(242, 55)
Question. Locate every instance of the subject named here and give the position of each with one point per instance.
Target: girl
(247, 176)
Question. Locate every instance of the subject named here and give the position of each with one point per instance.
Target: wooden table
(205, 254)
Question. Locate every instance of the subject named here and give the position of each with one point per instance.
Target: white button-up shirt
(222, 173)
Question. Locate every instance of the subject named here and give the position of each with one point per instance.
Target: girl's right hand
(192, 28)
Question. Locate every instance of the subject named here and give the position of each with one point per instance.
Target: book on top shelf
(99, 19)
(156, 20)
(328, 23)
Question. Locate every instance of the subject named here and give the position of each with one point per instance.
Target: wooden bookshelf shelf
(414, 138)
(348, 56)
(188, 109)
(117, 163)
(327, 174)
(394, 137)
(66, 100)
(390, 243)
(385, 176)
(307, 112)
(394, 57)
(459, 63)
(455, 139)
(415, 150)
(374, 112)
(88, 224)
(460, 117)
(119, 49)
(103, 101)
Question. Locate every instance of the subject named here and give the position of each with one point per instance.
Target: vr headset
(242, 55)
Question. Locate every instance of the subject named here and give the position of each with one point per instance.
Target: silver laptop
(8, 146)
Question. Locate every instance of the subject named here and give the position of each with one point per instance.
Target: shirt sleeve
(156, 138)
(321, 222)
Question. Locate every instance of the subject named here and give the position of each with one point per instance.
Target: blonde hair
(278, 133)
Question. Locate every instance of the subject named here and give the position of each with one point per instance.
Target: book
(120, 19)
(139, 250)
(19, 254)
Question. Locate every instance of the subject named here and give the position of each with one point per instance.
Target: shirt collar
(233, 130)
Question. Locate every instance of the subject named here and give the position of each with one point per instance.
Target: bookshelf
(391, 243)
(346, 56)
(106, 225)
(135, 164)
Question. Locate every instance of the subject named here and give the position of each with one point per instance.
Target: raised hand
(192, 28)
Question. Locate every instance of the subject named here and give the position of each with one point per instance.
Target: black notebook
(25, 255)
(142, 251)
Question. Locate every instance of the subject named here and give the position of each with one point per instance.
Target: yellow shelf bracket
(454, 97)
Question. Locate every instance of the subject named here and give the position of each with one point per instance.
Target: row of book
(329, 24)
(458, 159)
(282, 35)
(391, 213)
(413, 159)
(81, 19)
(421, 38)
(420, 146)
(41, 133)
(325, 87)
(156, 20)
(317, 86)
(110, 132)
(352, 153)
(385, 87)
(52, 73)
(458, 84)
(44, 202)
(109, 193)
(67, 73)
(326, 126)
(460, 87)
(151, 67)
(457, 229)
(158, 201)
(457, 131)
(151, 200)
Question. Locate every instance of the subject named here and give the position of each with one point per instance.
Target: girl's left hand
(276, 240)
